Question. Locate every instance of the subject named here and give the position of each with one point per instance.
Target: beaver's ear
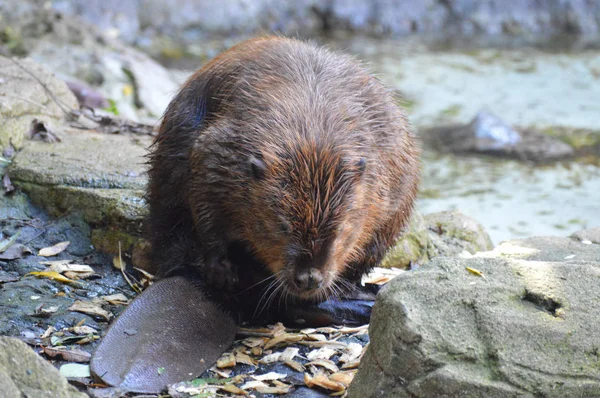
(258, 168)
(198, 102)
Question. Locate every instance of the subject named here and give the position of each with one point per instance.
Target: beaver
(280, 162)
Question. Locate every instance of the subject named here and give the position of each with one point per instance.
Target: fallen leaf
(73, 355)
(245, 359)
(53, 250)
(316, 337)
(52, 275)
(321, 353)
(48, 332)
(351, 352)
(116, 299)
(256, 351)
(283, 338)
(232, 388)
(280, 390)
(271, 358)
(64, 266)
(289, 353)
(343, 377)
(42, 312)
(226, 361)
(475, 272)
(253, 384)
(75, 370)
(118, 263)
(40, 131)
(254, 341)
(82, 330)
(90, 308)
(328, 343)
(324, 363)
(269, 376)
(297, 366)
(321, 380)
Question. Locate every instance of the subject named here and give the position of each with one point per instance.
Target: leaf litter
(255, 358)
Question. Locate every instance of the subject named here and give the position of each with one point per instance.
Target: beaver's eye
(258, 168)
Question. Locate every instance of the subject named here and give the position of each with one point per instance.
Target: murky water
(512, 199)
(525, 87)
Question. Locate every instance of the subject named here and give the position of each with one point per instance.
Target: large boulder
(29, 91)
(529, 328)
(487, 134)
(23, 373)
(101, 176)
(445, 233)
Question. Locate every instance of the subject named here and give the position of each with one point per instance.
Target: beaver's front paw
(219, 272)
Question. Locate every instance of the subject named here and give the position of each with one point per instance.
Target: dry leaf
(92, 309)
(254, 341)
(40, 131)
(289, 353)
(320, 380)
(274, 390)
(324, 363)
(316, 337)
(256, 351)
(48, 332)
(352, 352)
(52, 275)
(116, 299)
(351, 365)
(344, 377)
(66, 266)
(82, 330)
(283, 338)
(379, 276)
(270, 376)
(252, 384)
(321, 353)
(231, 388)
(271, 358)
(118, 263)
(243, 358)
(74, 355)
(475, 272)
(328, 343)
(226, 361)
(53, 250)
(297, 366)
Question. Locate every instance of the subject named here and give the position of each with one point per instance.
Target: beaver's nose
(308, 279)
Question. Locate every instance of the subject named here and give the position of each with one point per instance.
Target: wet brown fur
(308, 115)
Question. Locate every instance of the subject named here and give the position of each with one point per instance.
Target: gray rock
(487, 134)
(101, 175)
(23, 373)
(588, 235)
(446, 233)
(530, 328)
(190, 20)
(140, 87)
(23, 98)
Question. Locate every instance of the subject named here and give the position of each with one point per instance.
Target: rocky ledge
(521, 320)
